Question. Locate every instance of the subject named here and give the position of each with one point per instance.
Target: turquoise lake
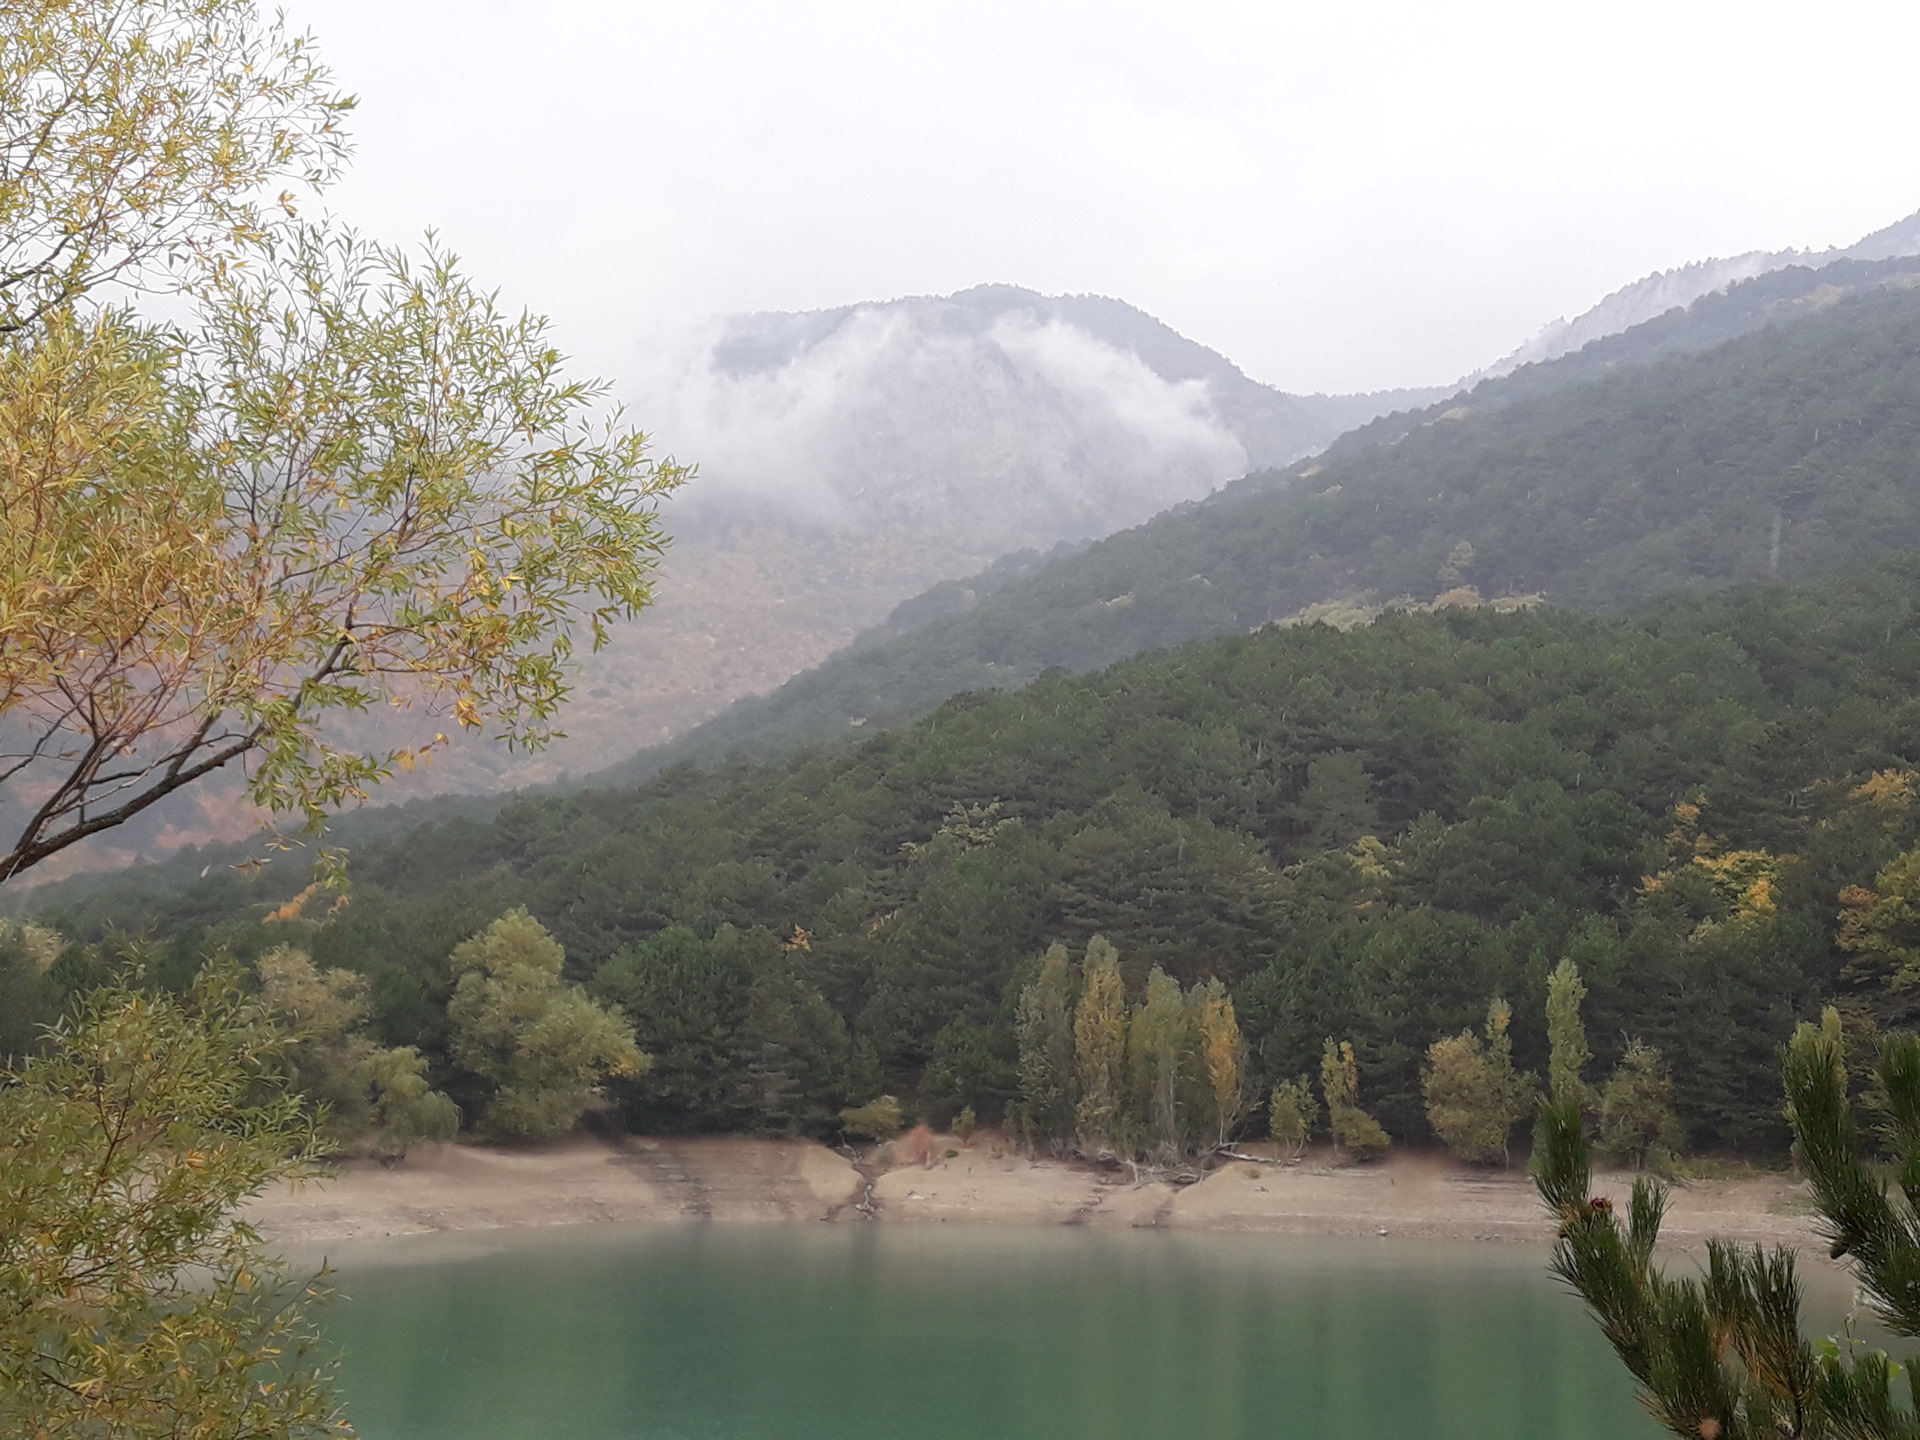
(844, 1332)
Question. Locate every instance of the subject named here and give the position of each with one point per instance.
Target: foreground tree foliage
(1722, 1356)
(133, 1302)
(346, 481)
(144, 139)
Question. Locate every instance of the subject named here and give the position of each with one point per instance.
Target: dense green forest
(1764, 432)
(1363, 835)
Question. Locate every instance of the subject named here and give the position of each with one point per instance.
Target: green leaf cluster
(133, 1300)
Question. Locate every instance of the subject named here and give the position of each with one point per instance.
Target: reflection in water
(847, 1332)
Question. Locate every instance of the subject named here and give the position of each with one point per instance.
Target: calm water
(843, 1332)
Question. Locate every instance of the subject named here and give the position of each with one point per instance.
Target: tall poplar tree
(1567, 1037)
(1158, 1049)
(1220, 1054)
(1100, 1047)
(1043, 1024)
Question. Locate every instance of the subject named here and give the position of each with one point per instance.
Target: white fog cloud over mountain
(998, 417)
(1040, 430)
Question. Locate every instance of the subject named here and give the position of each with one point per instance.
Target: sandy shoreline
(730, 1179)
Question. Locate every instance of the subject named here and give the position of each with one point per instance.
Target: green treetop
(541, 1043)
(1566, 1035)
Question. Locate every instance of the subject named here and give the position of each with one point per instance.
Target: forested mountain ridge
(745, 607)
(1780, 297)
(1364, 834)
(1763, 432)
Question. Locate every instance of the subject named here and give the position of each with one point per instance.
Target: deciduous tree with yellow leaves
(343, 478)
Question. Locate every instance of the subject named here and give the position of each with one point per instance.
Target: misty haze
(1211, 703)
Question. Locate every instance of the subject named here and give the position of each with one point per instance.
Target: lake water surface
(845, 1332)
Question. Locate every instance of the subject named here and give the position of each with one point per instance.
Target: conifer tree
(1722, 1356)
(1354, 1130)
(1044, 1028)
(1100, 1047)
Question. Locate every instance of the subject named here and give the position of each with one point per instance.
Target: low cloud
(997, 424)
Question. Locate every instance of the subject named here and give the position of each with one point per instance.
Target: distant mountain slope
(1668, 457)
(1656, 294)
(853, 458)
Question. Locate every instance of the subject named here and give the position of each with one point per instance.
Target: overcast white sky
(1338, 196)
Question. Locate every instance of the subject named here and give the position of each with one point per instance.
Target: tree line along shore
(1706, 807)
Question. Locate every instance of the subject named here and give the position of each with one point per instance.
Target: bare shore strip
(638, 1180)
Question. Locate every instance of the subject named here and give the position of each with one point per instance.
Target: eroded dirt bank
(715, 1178)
